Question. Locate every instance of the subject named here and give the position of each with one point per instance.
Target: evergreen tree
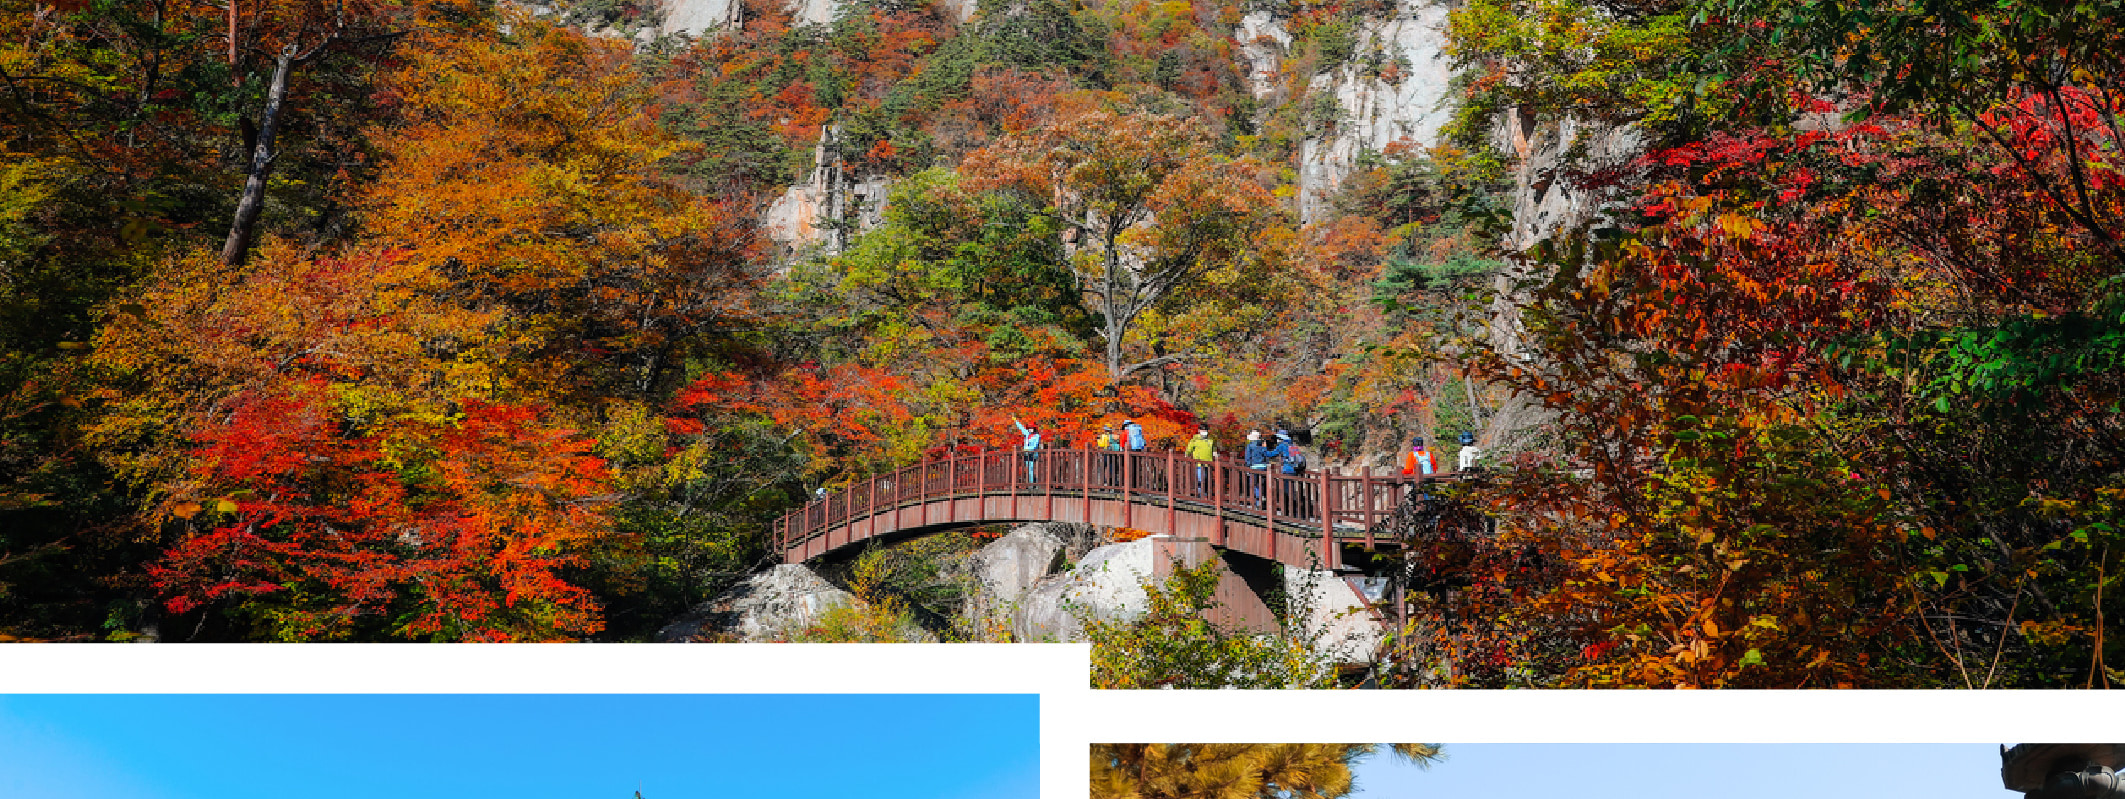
(1235, 771)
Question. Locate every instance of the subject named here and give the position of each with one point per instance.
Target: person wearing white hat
(1257, 457)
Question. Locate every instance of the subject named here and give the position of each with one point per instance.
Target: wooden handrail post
(1128, 487)
(1367, 518)
(1086, 481)
(1171, 484)
(1217, 500)
(1329, 553)
(1269, 503)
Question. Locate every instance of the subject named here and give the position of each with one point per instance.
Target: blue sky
(519, 747)
(1693, 771)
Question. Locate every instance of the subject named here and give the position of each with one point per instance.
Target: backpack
(1295, 463)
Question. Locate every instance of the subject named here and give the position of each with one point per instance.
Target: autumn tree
(1146, 211)
(525, 174)
(313, 483)
(131, 121)
(457, 529)
(528, 278)
(1815, 378)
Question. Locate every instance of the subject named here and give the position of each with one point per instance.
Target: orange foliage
(450, 529)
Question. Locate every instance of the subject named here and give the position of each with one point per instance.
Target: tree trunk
(1110, 301)
(241, 232)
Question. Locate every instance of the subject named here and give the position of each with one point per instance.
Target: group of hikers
(1282, 451)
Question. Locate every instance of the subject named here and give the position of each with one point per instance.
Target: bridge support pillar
(1238, 607)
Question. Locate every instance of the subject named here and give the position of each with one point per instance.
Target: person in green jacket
(1203, 450)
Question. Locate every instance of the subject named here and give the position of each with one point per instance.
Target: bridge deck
(1298, 520)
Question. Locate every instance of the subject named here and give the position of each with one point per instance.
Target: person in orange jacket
(1417, 461)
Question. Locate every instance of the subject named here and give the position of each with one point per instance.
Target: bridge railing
(1335, 507)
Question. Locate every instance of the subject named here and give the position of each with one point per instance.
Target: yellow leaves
(26, 182)
(189, 509)
(1738, 227)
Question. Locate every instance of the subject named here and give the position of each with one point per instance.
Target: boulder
(1335, 616)
(766, 607)
(1108, 583)
(1002, 572)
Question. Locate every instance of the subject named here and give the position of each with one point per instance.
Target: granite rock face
(1393, 89)
(767, 607)
(824, 213)
(696, 17)
(1263, 41)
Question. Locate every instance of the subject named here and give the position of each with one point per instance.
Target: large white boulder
(769, 606)
(1004, 571)
(1108, 584)
(1335, 616)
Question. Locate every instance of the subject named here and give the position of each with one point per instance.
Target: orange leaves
(531, 164)
(1014, 100)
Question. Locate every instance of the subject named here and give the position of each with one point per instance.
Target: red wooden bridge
(1306, 521)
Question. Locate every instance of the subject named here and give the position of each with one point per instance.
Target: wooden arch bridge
(1310, 521)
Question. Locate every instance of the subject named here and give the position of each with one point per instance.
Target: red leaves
(410, 528)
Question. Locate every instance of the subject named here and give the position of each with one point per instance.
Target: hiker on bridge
(1281, 453)
(1469, 452)
(1133, 437)
(1110, 465)
(1297, 499)
(1031, 447)
(1417, 461)
(1136, 434)
(1203, 451)
(1294, 459)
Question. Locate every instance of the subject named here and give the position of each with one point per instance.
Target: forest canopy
(1791, 333)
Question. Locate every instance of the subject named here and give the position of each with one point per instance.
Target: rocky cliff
(696, 17)
(1394, 87)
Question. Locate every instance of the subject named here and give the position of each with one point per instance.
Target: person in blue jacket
(1257, 458)
(1294, 458)
(1284, 454)
(1256, 455)
(1031, 447)
(1136, 434)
